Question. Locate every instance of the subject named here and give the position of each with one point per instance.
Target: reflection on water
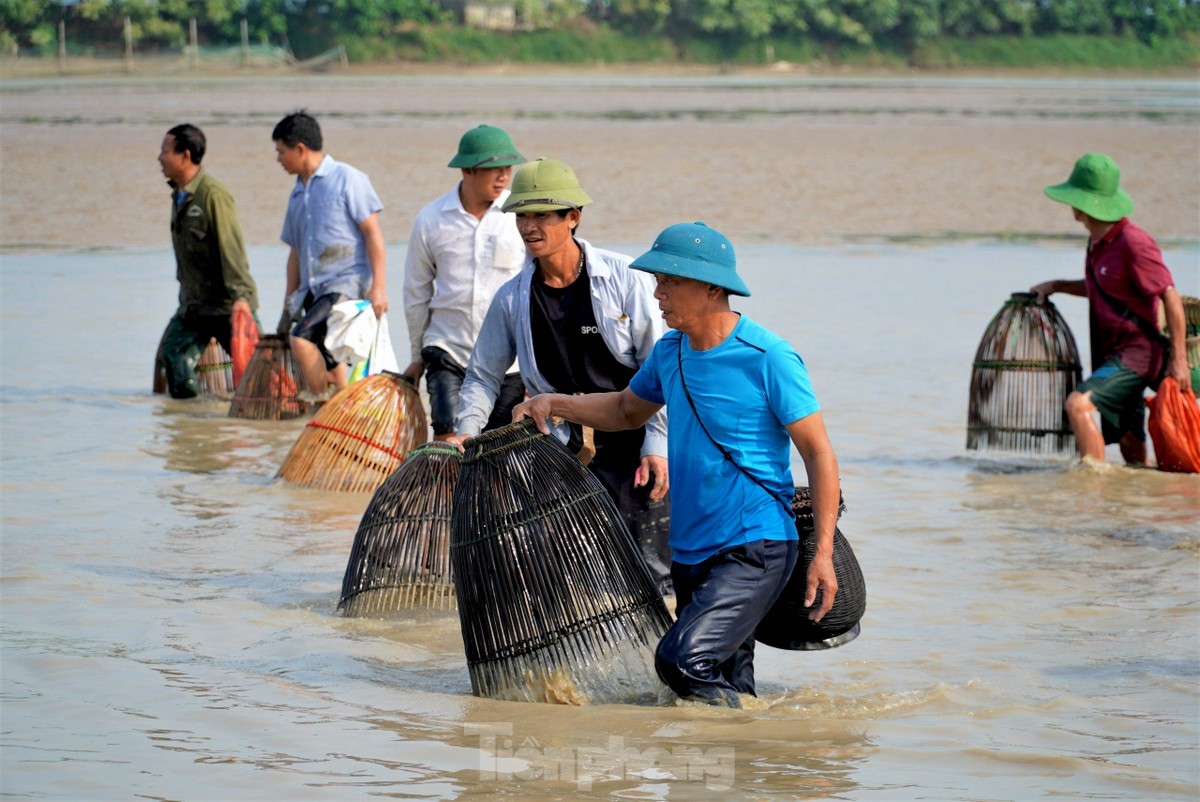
(169, 617)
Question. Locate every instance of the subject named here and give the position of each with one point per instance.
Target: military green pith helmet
(1094, 189)
(545, 185)
(486, 146)
(695, 251)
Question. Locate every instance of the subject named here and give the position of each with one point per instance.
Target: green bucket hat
(545, 185)
(693, 250)
(486, 146)
(1093, 189)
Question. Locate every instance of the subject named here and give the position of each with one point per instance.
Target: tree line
(314, 25)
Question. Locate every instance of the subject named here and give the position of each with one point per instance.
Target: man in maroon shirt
(1124, 281)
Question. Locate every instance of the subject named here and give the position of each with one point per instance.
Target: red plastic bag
(242, 339)
(1175, 427)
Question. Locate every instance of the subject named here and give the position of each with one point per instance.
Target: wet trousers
(649, 522)
(443, 381)
(183, 344)
(708, 654)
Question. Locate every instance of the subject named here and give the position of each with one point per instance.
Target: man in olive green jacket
(210, 260)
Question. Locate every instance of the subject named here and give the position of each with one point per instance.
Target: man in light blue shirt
(337, 249)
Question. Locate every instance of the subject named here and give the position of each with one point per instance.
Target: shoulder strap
(787, 503)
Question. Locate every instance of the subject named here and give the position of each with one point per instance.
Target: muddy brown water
(168, 608)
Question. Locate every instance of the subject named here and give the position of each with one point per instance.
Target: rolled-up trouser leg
(708, 654)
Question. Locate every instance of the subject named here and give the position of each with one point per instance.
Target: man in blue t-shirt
(736, 394)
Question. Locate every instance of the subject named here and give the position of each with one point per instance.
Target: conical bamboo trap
(270, 385)
(400, 559)
(214, 372)
(554, 600)
(1025, 367)
(359, 436)
(786, 624)
(1191, 314)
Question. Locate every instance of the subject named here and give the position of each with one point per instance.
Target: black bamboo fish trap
(270, 385)
(358, 437)
(554, 600)
(400, 559)
(1025, 367)
(214, 372)
(786, 624)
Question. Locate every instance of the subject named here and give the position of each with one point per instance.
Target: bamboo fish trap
(359, 436)
(214, 372)
(786, 624)
(1191, 314)
(554, 600)
(270, 385)
(400, 559)
(1025, 367)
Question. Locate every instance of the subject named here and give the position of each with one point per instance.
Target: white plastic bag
(382, 356)
(350, 331)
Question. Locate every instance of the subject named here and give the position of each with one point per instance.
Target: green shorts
(1117, 392)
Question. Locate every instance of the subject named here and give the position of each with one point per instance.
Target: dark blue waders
(708, 654)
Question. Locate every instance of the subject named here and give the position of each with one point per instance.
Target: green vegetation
(1147, 34)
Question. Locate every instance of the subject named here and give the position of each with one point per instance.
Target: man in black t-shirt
(580, 321)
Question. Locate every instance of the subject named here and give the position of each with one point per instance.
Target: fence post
(62, 46)
(245, 43)
(195, 60)
(128, 45)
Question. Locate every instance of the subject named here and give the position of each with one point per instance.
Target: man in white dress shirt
(462, 248)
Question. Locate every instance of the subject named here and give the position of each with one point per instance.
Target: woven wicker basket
(359, 436)
(786, 625)
(400, 559)
(270, 385)
(554, 600)
(1025, 367)
(214, 372)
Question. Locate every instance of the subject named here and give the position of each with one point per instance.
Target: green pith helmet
(545, 185)
(486, 146)
(695, 251)
(1094, 189)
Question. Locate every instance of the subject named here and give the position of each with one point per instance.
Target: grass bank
(469, 47)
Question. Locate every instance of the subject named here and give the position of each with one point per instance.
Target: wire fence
(122, 57)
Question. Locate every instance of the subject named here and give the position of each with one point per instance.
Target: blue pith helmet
(693, 250)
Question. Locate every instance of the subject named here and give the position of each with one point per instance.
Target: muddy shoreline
(767, 157)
